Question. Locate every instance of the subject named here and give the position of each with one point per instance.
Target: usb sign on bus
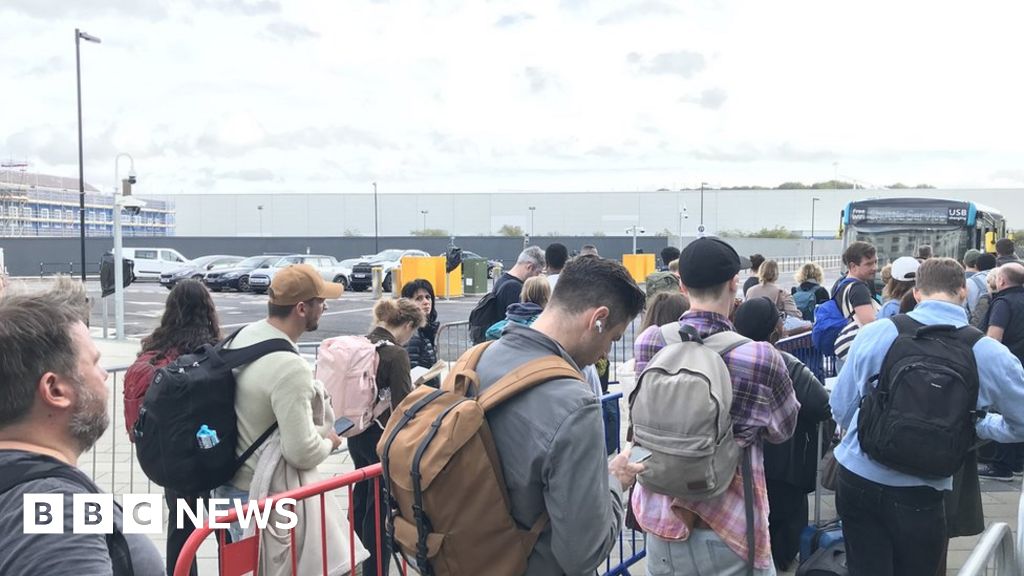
(143, 514)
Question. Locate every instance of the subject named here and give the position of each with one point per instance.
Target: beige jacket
(783, 300)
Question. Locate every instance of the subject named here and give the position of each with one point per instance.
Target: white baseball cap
(905, 268)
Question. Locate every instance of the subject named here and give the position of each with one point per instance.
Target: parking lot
(352, 314)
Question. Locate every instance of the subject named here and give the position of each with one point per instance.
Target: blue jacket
(521, 313)
(1001, 389)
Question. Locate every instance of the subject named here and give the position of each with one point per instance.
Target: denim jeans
(890, 531)
(702, 554)
(231, 493)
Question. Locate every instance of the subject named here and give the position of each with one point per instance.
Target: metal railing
(993, 555)
(453, 340)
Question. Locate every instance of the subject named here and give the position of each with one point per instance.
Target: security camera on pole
(122, 200)
(635, 230)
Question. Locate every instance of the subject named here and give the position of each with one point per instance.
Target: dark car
(491, 263)
(237, 276)
(198, 268)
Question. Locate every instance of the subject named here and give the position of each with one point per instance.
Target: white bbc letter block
(43, 514)
(93, 513)
(143, 514)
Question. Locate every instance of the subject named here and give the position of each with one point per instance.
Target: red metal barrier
(240, 558)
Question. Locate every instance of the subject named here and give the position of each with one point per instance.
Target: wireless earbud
(600, 326)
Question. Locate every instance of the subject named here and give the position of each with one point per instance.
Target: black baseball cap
(708, 262)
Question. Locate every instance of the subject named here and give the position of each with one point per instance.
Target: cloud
(53, 64)
(1013, 175)
(249, 175)
(317, 137)
(92, 9)
(510, 20)
(290, 32)
(539, 79)
(54, 145)
(640, 11)
(244, 7)
(712, 98)
(682, 63)
(746, 152)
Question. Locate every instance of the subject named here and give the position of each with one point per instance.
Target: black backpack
(46, 467)
(484, 314)
(920, 417)
(194, 390)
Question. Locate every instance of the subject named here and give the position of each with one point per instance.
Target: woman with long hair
(394, 323)
(422, 347)
(189, 321)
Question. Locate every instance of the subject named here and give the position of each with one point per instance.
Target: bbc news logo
(143, 514)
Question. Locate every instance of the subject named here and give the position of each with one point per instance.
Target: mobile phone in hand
(342, 425)
(638, 454)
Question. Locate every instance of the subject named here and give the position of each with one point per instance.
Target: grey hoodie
(551, 443)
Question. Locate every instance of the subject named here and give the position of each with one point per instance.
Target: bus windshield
(893, 241)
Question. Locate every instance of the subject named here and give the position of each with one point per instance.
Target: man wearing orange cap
(279, 387)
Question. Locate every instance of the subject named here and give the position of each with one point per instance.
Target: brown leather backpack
(449, 510)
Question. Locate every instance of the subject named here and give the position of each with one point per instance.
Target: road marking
(339, 312)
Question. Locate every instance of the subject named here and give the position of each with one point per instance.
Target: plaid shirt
(764, 406)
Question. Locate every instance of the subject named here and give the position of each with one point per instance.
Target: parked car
(236, 277)
(388, 260)
(150, 263)
(197, 269)
(327, 266)
(491, 263)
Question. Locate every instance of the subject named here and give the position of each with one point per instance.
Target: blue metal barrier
(823, 366)
(627, 552)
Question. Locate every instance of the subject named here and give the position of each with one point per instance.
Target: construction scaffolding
(14, 199)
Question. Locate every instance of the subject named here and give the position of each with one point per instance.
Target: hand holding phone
(638, 454)
(342, 425)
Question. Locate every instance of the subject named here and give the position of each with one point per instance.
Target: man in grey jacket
(550, 438)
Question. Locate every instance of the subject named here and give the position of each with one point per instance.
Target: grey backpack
(680, 412)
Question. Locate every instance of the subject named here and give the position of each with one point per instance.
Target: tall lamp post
(533, 209)
(813, 202)
(121, 190)
(259, 210)
(683, 215)
(79, 36)
(376, 247)
(634, 230)
(700, 229)
(424, 212)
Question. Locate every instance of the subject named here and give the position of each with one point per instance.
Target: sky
(421, 96)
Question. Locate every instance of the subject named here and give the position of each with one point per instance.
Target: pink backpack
(347, 366)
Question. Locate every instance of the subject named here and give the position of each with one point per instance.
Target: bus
(898, 226)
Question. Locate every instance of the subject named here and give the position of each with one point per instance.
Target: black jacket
(795, 461)
(422, 348)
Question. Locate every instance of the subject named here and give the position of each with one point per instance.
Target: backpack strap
(968, 335)
(463, 379)
(748, 505)
(725, 341)
(117, 546)
(525, 377)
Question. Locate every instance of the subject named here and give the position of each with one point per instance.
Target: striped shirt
(764, 407)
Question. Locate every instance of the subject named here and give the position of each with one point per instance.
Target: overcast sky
(423, 96)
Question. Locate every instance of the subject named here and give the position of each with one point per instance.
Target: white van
(151, 262)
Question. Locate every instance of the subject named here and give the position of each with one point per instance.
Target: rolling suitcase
(821, 544)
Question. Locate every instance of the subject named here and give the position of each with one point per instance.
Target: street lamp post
(634, 229)
(79, 36)
(259, 210)
(376, 247)
(533, 210)
(700, 228)
(813, 202)
(683, 215)
(119, 240)
(424, 212)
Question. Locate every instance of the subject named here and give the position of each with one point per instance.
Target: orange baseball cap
(301, 282)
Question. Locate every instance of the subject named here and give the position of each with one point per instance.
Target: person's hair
(992, 280)
(556, 256)
(886, 273)
(664, 307)
(397, 312)
(282, 310)
(708, 294)
(1013, 273)
(668, 254)
(924, 252)
(895, 289)
(532, 255)
(35, 338)
(768, 272)
(536, 290)
(755, 262)
(810, 272)
(189, 321)
(986, 262)
(940, 276)
(908, 302)
(588, 250)
(1004, 247)
(412, 287)
(857, 252)
(673, 266)
(589, 282)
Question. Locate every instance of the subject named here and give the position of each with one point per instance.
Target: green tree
(924, 187)
(428, 232)
(899, 186)
(599, 234)
(833, 185)
(510, 231)
(791, 186)
(665, 233)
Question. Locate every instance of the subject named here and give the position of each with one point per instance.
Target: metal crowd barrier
(994, 554)
(823, 366)
(453, 340)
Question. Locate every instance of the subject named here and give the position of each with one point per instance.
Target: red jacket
(136, 382)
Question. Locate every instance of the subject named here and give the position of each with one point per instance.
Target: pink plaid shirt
(764, 408)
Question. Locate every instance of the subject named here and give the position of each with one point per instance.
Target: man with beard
(279, 387)
(53, 399)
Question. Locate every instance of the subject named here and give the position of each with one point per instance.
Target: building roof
(42, 181)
